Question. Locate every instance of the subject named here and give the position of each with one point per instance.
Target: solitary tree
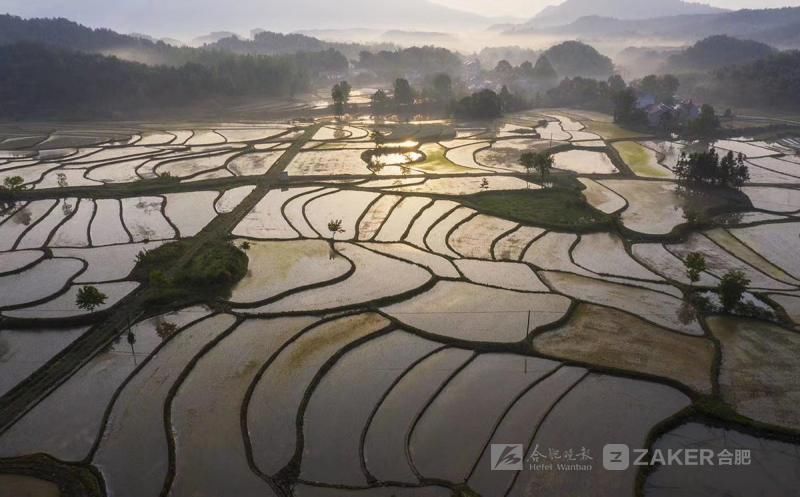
(506, 99)
(90, 298)
(443, 88)
(705, 124)
(504, 68)
(378, 137)
(380, 102)
(62, 180)
(527, 159)
(335, 226)
(340, 95)
(485, 185)
(346, 90)
(13, 183)
(731, 289)
(165, 329)
(695, 265)
(403, 93)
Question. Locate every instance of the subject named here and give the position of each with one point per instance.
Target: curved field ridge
(468, 312)
(375, 277)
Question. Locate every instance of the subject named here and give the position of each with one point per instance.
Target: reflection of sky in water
(395, 159)
(148, 207)
(405, 144)
(23, 217)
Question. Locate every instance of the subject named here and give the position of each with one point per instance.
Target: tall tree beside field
(544, 71)
(379, 102)
(403, 93)
(442, 88)
(340, 93)
(695, 265)
(706, 124)
(731, 289)
(706, 167)
(90, 298)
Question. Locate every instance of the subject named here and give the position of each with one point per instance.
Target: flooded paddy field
(397, 316)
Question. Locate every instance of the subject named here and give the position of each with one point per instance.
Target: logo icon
(616, 457)
(507, 457)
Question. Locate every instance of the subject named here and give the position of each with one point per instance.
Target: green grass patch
(436, 163)
(610, 131)
(429, 132)
(556, 208)
(642, 161)
(210, 273)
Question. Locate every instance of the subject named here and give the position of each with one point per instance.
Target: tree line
(38, 81)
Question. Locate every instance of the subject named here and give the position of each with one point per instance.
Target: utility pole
(527, 336)
(131, 340)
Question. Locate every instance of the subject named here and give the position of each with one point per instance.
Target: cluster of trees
(541, 162)
(715, 52)
(488, 104)
(771, 82)
(491, 56)
(575, 59)
(415, 60)
(542, 73)
(485, 104)
(732, 286)
(270, 43)
(39, 81)
(580, 64)
(404, 95)
(340, 93)
(624, 97)
(585, 93)
(439, 92)
(663, 87)
(708, 168)
(705, 125)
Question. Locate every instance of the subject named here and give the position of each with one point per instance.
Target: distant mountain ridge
(189, 18)
(777, 27)
(572, 10)
(718, 51)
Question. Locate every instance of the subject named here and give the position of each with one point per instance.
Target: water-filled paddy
(585, 162)
(477, 313)
(353, 361)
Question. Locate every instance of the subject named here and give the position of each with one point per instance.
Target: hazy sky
(528, 8)
(185, 19)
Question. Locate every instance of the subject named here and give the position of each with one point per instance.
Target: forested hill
(777, 27)
(65, 34)
(42, 82)
(771, 82)
(62, 33)
(717, 51)
(269, 43)
(55, 67)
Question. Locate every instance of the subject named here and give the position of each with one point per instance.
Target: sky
(185, 19)
(529, 8)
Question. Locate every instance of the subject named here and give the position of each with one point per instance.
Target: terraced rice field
(385, 357)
